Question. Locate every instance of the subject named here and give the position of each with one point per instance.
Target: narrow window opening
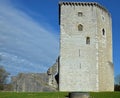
(103, 18)
(79, 52)
(80, 65)
(80, 27)
(103, 31)
(80, 14)
(88, 40)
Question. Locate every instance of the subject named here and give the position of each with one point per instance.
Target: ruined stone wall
(31, 82)
(52, 72)
(36, 82)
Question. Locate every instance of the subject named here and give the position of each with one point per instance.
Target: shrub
(1, 87)
(117, 87)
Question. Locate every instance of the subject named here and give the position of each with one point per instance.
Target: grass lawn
(32, 95)
(105, 95)
(56, 95)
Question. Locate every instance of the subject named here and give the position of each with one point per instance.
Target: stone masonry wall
(85, 67)
(31, 82)
(105, 63)
(78, 71)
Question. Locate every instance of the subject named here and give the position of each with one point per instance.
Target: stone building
(85, 47)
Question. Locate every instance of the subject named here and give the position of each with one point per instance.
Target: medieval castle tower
(85, 47)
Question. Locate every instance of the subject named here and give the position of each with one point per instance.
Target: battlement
(83, 4)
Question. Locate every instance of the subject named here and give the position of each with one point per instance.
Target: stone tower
(85, 47)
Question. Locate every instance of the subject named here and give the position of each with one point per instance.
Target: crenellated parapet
(84, 4)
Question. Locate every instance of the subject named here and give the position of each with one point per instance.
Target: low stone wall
(31, 82)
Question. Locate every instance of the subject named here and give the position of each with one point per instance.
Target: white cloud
(24, 41)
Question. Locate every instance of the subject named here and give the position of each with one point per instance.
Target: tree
(117, 83)
(117, 87)
(117, 79)
(3, 76)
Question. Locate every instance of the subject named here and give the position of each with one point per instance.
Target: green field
(56, 95)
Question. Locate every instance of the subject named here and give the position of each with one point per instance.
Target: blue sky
(29, 34)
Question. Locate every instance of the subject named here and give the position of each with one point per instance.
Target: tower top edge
(65, 3)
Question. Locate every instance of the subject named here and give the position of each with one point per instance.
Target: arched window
(103, 31)
(87, 40)
(80, 27)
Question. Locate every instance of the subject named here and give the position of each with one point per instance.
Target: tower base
(79, 95)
